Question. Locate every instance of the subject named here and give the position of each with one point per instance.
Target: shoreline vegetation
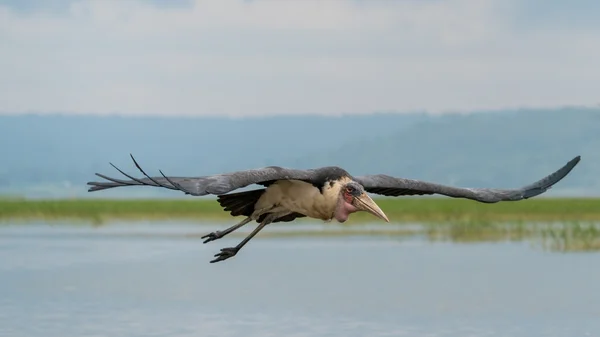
(399, 210)
(556, 224)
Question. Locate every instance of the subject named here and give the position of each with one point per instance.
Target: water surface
(154, 279)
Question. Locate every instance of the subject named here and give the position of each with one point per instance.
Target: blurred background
(471, 93)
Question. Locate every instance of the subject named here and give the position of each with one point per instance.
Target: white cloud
(290, 56)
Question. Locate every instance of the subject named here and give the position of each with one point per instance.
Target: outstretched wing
(214, 184)
(391, 186)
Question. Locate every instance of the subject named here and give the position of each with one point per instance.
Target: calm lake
(155, 279)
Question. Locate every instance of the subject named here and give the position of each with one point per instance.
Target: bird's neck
(343, 210)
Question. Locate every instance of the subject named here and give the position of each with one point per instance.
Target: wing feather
(392, 186)
(219, 183)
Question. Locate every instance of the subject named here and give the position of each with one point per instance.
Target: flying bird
(324, 193)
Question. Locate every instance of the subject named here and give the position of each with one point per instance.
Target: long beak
(365, 203)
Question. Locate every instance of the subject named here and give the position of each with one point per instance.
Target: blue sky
(265, 57)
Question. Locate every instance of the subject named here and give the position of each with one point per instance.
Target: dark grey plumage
(391, 186)
(222, 183)
(382, 184)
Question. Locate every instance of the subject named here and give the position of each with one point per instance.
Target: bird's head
(353, 198)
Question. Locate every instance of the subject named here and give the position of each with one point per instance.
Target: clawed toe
(211, 237)
(225, 254)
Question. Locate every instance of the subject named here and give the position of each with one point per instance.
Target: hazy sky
(296, 56)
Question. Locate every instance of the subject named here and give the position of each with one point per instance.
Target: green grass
(423, 210)
(103, 210)
(566, 225)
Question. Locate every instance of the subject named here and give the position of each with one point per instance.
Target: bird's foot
(225, 254)
(212, 236)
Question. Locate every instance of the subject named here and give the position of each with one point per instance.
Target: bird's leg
(231, 251)
(219, 234)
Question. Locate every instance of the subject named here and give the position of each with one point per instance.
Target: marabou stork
(324, 193)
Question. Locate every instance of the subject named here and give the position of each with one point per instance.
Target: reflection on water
(154, 279)
(563, 237)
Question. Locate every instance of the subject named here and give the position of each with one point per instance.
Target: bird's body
(298, 197)
(303, 198)
(324, 193)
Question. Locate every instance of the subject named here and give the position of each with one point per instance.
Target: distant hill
(55, 155)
